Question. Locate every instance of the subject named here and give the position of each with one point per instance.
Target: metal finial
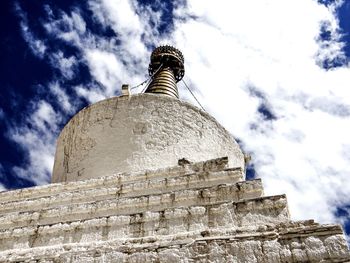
(166, 69)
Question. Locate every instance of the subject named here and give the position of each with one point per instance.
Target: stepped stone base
(201, 212)
(292, 242)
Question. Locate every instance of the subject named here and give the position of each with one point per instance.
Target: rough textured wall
(141, 132)
(247, 247)
(201, 212)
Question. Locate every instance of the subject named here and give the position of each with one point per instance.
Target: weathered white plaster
(210, 170)
(137, 133)
(213, 198)
(315, 243)
(115, 189)
(197, 212)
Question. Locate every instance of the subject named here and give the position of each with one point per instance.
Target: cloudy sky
(275, 73)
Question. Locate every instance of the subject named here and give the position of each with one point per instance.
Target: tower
(166, 69)
(149, 178)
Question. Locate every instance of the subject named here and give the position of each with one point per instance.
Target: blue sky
(275, 73)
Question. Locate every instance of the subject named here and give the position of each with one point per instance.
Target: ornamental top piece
(167, 57)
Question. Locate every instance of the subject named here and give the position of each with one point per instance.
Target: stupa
(150, 178)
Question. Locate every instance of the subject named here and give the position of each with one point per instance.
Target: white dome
(137, 133)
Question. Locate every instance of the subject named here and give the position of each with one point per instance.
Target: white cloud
(113, 61)
(66, 65)
(68, 27)
(120, 15)
(106, 69)
(2, 187)
(231, 48)
(37, 137)
(62, 97)
(36, 45)
(91, 94)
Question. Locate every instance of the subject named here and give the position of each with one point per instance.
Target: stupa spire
(166, 69)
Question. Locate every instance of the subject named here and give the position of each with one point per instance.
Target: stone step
(259, 244)
(215, 165)
(132, 205)
(118, 189)
(172, 221)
